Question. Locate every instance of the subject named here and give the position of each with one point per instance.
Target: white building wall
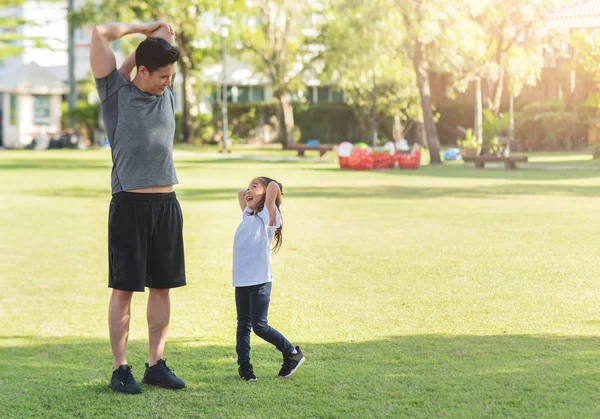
(20, 135)
(25, 118)
(29, 128)
(55, 114)
(11, 132)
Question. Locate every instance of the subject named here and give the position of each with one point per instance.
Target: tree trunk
(423, 135)
(433, 140)
(478, 115)
(286, 117)
(398, 130)
(374, 113)
(570, 105)
(499, 85)
(187, 128)
(511, 127)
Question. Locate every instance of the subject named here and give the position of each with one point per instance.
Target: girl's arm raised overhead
(242, 198)
(273, 194)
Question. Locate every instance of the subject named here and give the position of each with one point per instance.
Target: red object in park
(361, 158)
(383, 160)
(344, 162)
(410, 160)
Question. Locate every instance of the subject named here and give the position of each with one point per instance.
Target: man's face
(158, 81)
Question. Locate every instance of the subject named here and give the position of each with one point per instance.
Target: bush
(469, 142)
(329, 123)
(546, 126)
(243, 119)
(493, 130)
(202, 127)
(450, 118)
(85, 117)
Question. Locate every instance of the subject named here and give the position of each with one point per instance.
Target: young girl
(252, 278)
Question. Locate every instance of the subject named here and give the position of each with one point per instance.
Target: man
(145, 224)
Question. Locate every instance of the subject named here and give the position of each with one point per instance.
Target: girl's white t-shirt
(252, 248)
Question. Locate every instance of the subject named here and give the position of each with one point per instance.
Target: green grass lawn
(441, 292)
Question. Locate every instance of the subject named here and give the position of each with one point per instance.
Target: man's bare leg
(119, 314)
(158, 315)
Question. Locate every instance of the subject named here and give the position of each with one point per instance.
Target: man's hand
(165, 33)
(149, 28)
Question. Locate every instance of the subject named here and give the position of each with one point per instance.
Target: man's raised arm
(102, 58)
(164, 32)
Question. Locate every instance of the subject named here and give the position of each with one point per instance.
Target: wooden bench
(300, 148)
(509, 162)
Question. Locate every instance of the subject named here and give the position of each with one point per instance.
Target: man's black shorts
(145, 242)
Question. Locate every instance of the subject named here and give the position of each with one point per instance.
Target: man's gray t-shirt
(140, 128)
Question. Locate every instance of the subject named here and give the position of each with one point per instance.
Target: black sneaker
(247, 372)
(162, 376)
(291, 363)
(122, 381)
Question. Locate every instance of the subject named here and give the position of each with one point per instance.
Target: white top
(252, 248)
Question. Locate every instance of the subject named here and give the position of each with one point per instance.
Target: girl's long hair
(278, 239)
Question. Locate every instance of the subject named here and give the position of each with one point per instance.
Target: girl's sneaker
(291, 363)
(247, 372)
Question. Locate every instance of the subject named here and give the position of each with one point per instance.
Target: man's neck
(137, 83)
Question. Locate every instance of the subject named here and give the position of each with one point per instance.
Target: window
(229, 94)
(13, 110)
(309, 94)
(243, 94)
(337, 96)
(323, 94)
(257, 94)
(215, 95)
(41, 110)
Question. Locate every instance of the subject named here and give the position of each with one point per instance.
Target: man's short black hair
(154, 53)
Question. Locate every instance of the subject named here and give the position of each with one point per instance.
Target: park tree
(191, 21)
(436, 32)
(361, 59)
(515, 42)
(283, 40)
(11, 41)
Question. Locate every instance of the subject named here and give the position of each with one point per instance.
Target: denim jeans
(252, 305)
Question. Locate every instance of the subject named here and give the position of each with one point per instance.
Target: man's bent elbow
(96, 33)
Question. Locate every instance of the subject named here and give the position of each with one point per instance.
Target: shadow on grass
(465, 171)
(534, 171)
(187, 163)
(420, 375)
(55, 164)
(356, 192)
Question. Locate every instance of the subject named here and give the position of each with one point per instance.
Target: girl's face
(255, 193)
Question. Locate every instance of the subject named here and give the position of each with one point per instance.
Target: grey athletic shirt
(140, 128)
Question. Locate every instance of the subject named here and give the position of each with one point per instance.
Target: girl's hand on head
(274, 186)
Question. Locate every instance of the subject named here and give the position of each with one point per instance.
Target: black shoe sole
(161, 385)
(294, 370)
(116, 390)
